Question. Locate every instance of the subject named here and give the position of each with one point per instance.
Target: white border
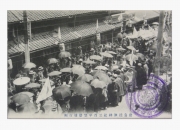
(48, 124)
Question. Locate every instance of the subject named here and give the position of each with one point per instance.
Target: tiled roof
(36, 15)
(118, 25)
(11, 17)
(43, 40)
(40, 41)
(90, 29)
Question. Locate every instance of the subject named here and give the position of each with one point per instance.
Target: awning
(37, 15)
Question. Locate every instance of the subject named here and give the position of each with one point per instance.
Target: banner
(98, 36)
(45, 92)
(62, 46)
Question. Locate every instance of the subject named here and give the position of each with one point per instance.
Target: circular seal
(151, 100)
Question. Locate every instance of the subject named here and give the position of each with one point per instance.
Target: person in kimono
(113, 93)
(40, 73)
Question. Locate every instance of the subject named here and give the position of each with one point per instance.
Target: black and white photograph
(83, 64)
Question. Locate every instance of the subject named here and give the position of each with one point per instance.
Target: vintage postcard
(100, 64)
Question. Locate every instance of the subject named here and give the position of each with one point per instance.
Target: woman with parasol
(100, 94)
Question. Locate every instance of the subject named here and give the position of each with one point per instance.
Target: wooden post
(160, 39)
(26, 39)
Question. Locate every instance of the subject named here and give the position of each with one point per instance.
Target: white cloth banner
(45, 92)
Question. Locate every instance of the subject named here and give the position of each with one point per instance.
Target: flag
(131, 60)
(97, 26)
(45, 92)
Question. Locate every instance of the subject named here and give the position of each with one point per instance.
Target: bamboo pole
(160, 39)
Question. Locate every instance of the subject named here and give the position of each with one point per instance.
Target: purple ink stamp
(151, 100)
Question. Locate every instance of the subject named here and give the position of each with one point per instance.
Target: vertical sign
(29, 29)
(62, 46)
(98, 36)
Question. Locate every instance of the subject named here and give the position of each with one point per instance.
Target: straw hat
(115, 76)
(139, 64)
(40, 68)
(106, 65)
(109, 73)
(131, 67)
(92, 49)
(112, 78)
(31, 72)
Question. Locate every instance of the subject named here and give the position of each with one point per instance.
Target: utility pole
(159, 40)
(26, 37)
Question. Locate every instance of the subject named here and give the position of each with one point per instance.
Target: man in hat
(149, 62)
(80, 53)
(69, 62)
(141, 76)
(120, 83)
(73, 59)
(106, 65)
(80, 61)
(131, 77)
(40, 73)
(32, 76)
(140, 45)
(51, 67)
(92, 51)
(109, 74)
(110, 61)
(113, 92)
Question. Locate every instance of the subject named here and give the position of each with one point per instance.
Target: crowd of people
(126, 70)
